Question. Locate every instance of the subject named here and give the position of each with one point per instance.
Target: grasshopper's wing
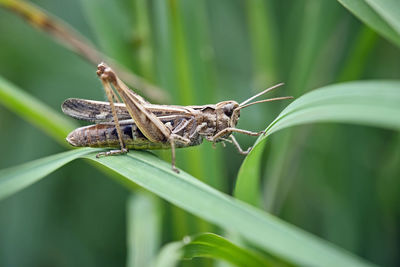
(100, 111)
(93, 111)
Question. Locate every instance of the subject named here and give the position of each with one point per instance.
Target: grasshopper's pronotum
(138, 124)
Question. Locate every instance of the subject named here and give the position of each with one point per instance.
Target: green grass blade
(268, 232)
(389, 11)
(17, 178)
(262, 27)
(111, 24)
(382, 16)
(372, 103)
(360, 53)
(209, 245)
(143, 229)
(216, 247)
(35, 112)
(170, 255)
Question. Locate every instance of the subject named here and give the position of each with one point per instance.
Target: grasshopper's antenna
(261, 93)
(265, 100)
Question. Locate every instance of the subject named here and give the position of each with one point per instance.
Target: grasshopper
(138, 124)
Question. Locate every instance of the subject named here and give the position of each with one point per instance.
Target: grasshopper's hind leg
(104, 75)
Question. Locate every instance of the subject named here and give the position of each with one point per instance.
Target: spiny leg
(115, 96)
(231, 130)
(236, 144)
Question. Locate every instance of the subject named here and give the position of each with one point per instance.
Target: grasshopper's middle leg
(172, 140)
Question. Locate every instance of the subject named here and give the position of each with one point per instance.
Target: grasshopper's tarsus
(175, 169)
(112, 153)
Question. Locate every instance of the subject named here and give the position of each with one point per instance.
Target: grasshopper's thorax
(227, 115)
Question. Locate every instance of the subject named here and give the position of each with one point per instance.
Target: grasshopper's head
(228, 114)
(229, 111)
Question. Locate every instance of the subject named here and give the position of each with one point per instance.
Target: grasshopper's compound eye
(228, 110)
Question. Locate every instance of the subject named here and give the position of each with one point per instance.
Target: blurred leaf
(383, 16)
(373, 103)
(170, 255)
(113, 28)
(17, 178)
(116, 45)
(359, 54)
(306, 41)
(143, 229)
(209, 245)
(216, 247)
(34, 111)
(143, 168)
(262, 27)
(55, 27)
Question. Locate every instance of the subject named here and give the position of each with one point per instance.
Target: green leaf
(209, 245)
(371, 103)
(144, 229)
(17, 178)
(170, 255)
(34, 111)
(383, 16)
(110, 21)
(216, 247)
(270, 233)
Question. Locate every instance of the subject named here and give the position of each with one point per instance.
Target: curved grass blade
(268, 232)
(389, 11)
(170, 255)
(213, 246)
(34, 111)
(17, 178)
(371, 103)
(209, 245)
(382, 16)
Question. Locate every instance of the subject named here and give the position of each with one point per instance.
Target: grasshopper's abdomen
(105, 135)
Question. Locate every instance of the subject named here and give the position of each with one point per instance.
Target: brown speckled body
(191, 122)
(105, 135)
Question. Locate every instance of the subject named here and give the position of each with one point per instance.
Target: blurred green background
(339, 182)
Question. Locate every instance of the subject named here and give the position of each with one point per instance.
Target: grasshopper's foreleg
(236, 144)
(231, 130)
